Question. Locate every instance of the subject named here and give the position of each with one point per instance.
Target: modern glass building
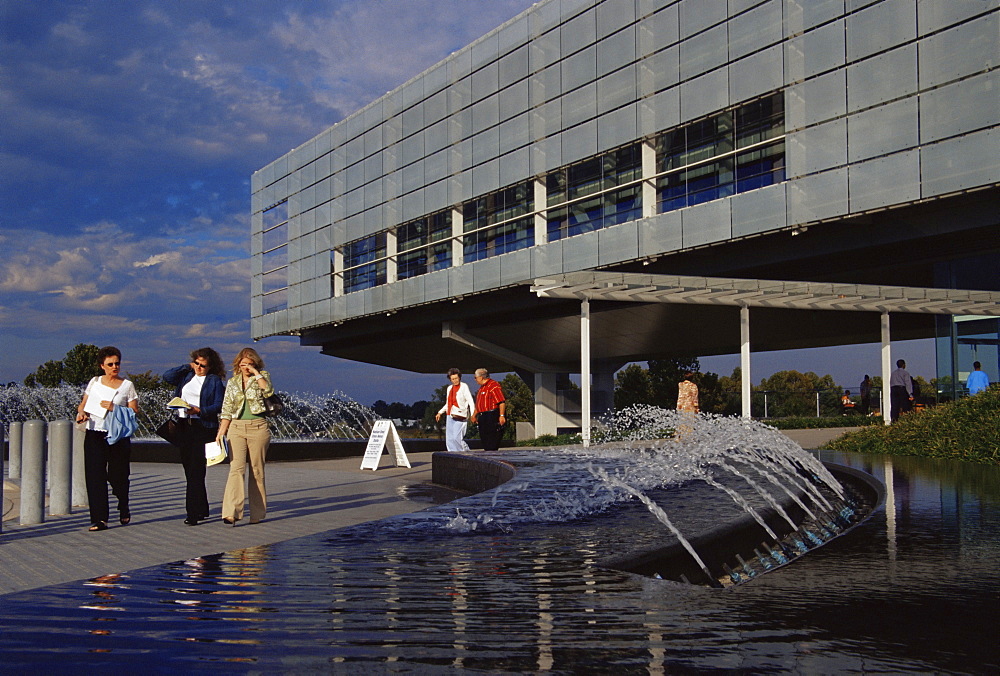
(816, 140)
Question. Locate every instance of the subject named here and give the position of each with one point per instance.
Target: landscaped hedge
(967, 429)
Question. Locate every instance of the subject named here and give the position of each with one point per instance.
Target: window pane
(276, 258)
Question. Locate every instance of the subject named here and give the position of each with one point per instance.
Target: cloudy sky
(130, 130)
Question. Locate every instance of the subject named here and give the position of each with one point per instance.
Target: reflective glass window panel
(276, 301)
(275, 215)
(275, 258)
(276, 236)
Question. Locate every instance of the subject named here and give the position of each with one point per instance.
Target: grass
(967, 429)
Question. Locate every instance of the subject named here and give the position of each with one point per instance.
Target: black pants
(900, 400)
(489, 429)
(193, 459)
(105, 464)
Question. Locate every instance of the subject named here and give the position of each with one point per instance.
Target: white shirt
(97, 392)
(192, 392)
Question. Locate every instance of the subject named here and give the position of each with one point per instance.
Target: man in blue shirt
(978, 380)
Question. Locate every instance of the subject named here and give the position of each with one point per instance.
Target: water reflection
(913, 589)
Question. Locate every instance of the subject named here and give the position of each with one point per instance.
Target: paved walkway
(303, 498)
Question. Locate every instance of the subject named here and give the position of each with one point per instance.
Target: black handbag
(173, 431)
(272, 406)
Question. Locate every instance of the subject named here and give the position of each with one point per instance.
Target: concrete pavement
(303, 498)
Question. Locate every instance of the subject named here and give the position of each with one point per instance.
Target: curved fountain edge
(720, 545)
(717, 546)
(470, 473)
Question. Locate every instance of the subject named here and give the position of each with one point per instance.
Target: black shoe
(100, 525)
(125, 517)
(190, 521)
(229, 522)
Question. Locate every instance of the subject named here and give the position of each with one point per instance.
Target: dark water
(914, 589)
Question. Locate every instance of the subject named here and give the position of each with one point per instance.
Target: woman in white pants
(459, 406)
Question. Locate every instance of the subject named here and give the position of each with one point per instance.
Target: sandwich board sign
(384, 435)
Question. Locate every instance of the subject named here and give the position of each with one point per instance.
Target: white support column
(585, 369)
(541, 222)
(886, 368)
(546, 403)
(745, 359)
(648, 184)
(338, 272)
(391, 249)
(457, 248)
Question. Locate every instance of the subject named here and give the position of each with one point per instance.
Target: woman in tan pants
(242, 422)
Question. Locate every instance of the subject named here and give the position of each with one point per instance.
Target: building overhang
(766, 293)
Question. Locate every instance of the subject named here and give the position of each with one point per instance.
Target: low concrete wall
(286, 451)
(468, 472)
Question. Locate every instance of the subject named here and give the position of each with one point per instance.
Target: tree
(520, 404)
(147, 381)
(795, 393)
(632, 387)
(48, 374)
(664, 374)
(76, 368)
(80, 365)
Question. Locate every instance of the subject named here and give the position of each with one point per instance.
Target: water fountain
(306, 416)
(516, 579)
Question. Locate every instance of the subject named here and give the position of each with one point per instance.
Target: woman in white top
(459, 406)
(106, 463)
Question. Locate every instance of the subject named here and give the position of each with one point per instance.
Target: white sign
(383, 434)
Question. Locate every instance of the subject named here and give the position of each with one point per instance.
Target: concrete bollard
(60, 465)
(33, 473)
(79, 476)
(1, 476)
(14, 471)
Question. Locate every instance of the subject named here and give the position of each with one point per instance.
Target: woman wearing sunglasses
(201, 385)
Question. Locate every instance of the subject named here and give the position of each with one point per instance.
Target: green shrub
(967, 429)
(553, 440)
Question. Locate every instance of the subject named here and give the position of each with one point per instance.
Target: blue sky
(130, 131)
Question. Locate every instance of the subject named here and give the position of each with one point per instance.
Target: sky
(130, 130)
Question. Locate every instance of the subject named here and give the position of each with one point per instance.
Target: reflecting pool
(915, 588)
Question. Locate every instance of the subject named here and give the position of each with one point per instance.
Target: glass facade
(498, 223)
(275, 258)
(734, 151)
(365, 263)
(424, 245)
(606, 132)
(596, 193)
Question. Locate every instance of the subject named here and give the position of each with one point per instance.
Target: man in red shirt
(490, 409)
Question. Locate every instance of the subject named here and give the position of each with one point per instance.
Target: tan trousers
(246, 438)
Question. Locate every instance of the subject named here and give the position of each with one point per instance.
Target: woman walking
(200, 384)
(459, 406)
(243, 423)
(106, 463)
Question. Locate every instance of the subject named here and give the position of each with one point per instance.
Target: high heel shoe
(229, 522)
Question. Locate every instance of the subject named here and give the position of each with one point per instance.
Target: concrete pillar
(60, 466)
(16, 429)
(1, 475)
(546, 403)
(79, 496)
(886, 369)
(33, 473)
(745, 359)
(585, 383)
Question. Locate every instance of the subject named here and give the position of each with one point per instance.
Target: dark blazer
(212, 392)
